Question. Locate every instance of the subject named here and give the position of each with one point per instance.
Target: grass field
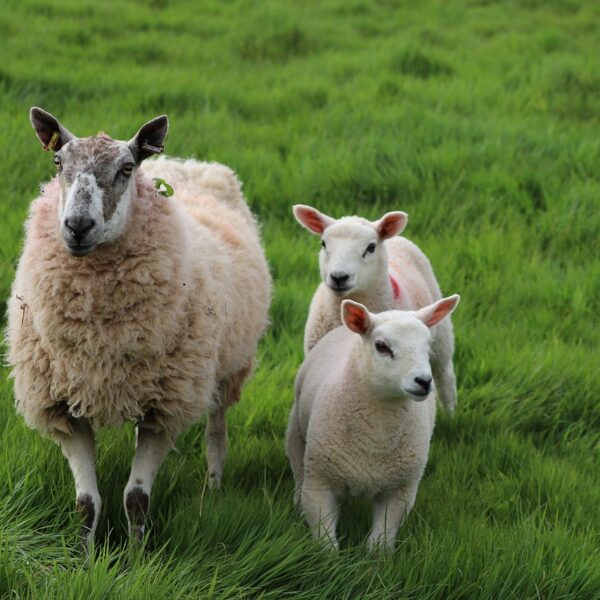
(481, 119)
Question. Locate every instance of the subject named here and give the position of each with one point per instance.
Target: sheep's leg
(295, 447)
(389, 512)
(152, 448)
(215, 436)
(321, 511)
(445, 385)
(80, 450)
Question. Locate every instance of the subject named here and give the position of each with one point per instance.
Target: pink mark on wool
(395, 286)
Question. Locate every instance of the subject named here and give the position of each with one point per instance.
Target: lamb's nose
(79, 226)
(339, 279)
(424, 383)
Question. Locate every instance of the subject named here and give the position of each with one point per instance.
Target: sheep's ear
(48, 129)
(149, 139)
(311, 218)
(391, 224)
(431, 315)
(356, 317)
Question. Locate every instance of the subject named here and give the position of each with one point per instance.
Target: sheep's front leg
(389, 512)
(442, 366)
(215, 436)
(80, 450)
(321, 511)
(152, 448)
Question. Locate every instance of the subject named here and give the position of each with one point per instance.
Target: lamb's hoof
(136, 505)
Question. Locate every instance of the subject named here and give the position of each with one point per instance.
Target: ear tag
(53, 141)
(159, 183)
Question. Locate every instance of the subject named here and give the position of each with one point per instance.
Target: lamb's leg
(445, 385)
(295, 446)
(215, 436)
(152, 448)
(389, 512)
(80, 450)
(320, 510)
(442, 367)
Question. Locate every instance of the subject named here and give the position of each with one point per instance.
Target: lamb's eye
(127, 170)
(57, 162)
(323, 245)
(370, 249)
(383, 348)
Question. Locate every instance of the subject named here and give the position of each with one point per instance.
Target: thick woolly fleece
(146, 329)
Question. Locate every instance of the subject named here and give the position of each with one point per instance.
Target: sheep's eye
(383, 348)
(323, 245)
(57, 162)
(127, 170)
(370, 249)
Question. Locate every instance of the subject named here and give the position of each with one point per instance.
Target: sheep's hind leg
(215, 436)
(295, 447)
(152, 448)
(80, 450)
(389, 512)
(445, 385)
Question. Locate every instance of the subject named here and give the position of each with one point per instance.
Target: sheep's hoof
(136, 505)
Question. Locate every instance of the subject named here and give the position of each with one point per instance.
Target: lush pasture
(481, 119)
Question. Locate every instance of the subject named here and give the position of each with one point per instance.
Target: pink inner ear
(390, 226)
(311, 219)
(357, 319)
(440, 311)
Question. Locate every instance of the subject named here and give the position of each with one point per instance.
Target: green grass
(481, 119)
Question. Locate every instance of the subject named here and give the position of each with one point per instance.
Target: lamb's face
(397, 350)
(95, 176)
(352, 258)
(396, 346)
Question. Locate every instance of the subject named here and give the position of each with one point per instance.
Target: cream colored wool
(150, 327)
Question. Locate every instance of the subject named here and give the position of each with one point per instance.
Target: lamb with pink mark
(363, 416)
(370, 263)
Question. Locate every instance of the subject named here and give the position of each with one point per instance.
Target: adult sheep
(131, 306)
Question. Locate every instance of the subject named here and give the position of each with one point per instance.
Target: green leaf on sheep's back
(160, 183)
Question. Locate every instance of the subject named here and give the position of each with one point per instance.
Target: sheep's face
(96, 179)
(352, 257)
(396, 346)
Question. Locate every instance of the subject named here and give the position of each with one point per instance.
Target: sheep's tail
(206, 177)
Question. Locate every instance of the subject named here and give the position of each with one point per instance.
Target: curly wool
(145, 329)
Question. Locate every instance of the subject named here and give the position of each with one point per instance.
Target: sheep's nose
(424, 383)
(79, 226)
(339, 279)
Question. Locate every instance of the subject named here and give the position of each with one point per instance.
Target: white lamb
(363, 417)
(131, 306)
(369, 263)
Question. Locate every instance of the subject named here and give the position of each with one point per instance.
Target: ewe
(367, 262)
(363, 417)
(130, 306)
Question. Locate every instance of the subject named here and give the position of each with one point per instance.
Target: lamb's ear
(431, 315)
(49, 130)
(149, 139)
(391, 224)
(356, 317)
(311, 218)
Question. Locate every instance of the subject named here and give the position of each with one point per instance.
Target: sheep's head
(95, 175)
(352, 255)
(397, 345)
